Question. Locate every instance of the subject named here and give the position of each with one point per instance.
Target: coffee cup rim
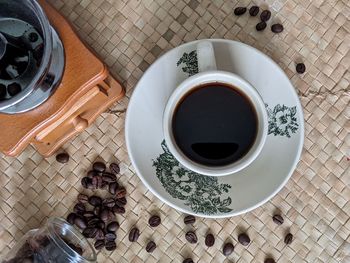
(194, 82)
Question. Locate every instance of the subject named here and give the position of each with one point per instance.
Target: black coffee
(215, 124)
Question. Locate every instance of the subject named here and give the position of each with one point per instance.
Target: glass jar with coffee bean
(56, 242)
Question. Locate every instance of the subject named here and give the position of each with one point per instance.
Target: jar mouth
(59, 229)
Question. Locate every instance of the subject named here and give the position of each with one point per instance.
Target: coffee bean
(269, 260)
(106, 215)
(112, 226)
(121, 201)
(80, 222)
(99, 244)
(70, 218)
(114, 168)
(62, 157)
(104, 186)
(265, 15)
(209, 240)
(97, 181)
(191, 237)
(77, 249)
(86, 182)
(97, 210)
(13, 89)
(254, 10)
(239, 11)
(134, 234)
(154, 221)
(121, 192)
(90, 232)
(110, 236)
(151, 246)
(278, 219)
(79, 208)
(118, 209)
(109, 177)
(190, 219)
(276, 28)
(100, 234)
(83, 198)
(101, 224)
(91, 174)
(112, 188)
(300, 68)
(99, 166)
(188, 260)
(288, 239)
(110, 245)
(109, 202)
(228, 249)
(244, 239)
(88, 215)
(93, 222)
(95, 200)
(261, 26)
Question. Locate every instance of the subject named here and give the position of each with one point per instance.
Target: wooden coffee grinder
(45, 108)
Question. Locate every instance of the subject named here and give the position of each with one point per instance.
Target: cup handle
(206, 56)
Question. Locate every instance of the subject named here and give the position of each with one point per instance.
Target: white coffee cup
(208, 73)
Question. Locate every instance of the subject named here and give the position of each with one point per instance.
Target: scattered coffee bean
(300, 68)
(188, 260)
(88, 215)
(114, 168)
(154, 221)
(93, 222)
(244, 239)
(288, 239)
(228, 249)
(86, 182)
(77, 249)
(99, 166)
(90, 232)
(97, 182)
(109, 202)
(97, 210)
(112, 188)
(110, 236)
(106, 215)
(110, 245)
(239, 11)
(121, 192)
(79, 208)
(276, 28)
(91, 174)
(99, 244)
(209, 240)
(109, 177)
(134, 234)
(261, 26)
(100, 235)
(95, 200)
(191, 237)
(121, 201)
(118, 209)
(254, 10)
(265, 15)
(269, 260)
(104, 186)
(80, 222)
(101, 224)
(190, 219)
(112, 226)
(71, 218)
(13, 89)
(151, 246)
(278, 219)
(83, 198)
(62, 157)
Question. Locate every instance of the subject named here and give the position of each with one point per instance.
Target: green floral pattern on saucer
(203, 194)
(190, 62)
(282, 120)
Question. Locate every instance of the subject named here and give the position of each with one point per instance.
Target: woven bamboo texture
(129, 35)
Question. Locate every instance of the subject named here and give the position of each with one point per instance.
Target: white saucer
(214, 196)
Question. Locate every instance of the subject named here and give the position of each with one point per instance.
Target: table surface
(129, 35)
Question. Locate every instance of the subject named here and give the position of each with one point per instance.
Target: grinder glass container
(31, 56)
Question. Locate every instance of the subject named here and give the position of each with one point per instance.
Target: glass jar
(56, 242)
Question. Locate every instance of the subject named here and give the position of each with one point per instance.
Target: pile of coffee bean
(264, 17)
(95, 215)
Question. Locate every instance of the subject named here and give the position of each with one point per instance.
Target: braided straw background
(129, 35)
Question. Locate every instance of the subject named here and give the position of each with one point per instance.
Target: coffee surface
(215, 124)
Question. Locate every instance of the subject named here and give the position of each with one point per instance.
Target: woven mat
(129, 35)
